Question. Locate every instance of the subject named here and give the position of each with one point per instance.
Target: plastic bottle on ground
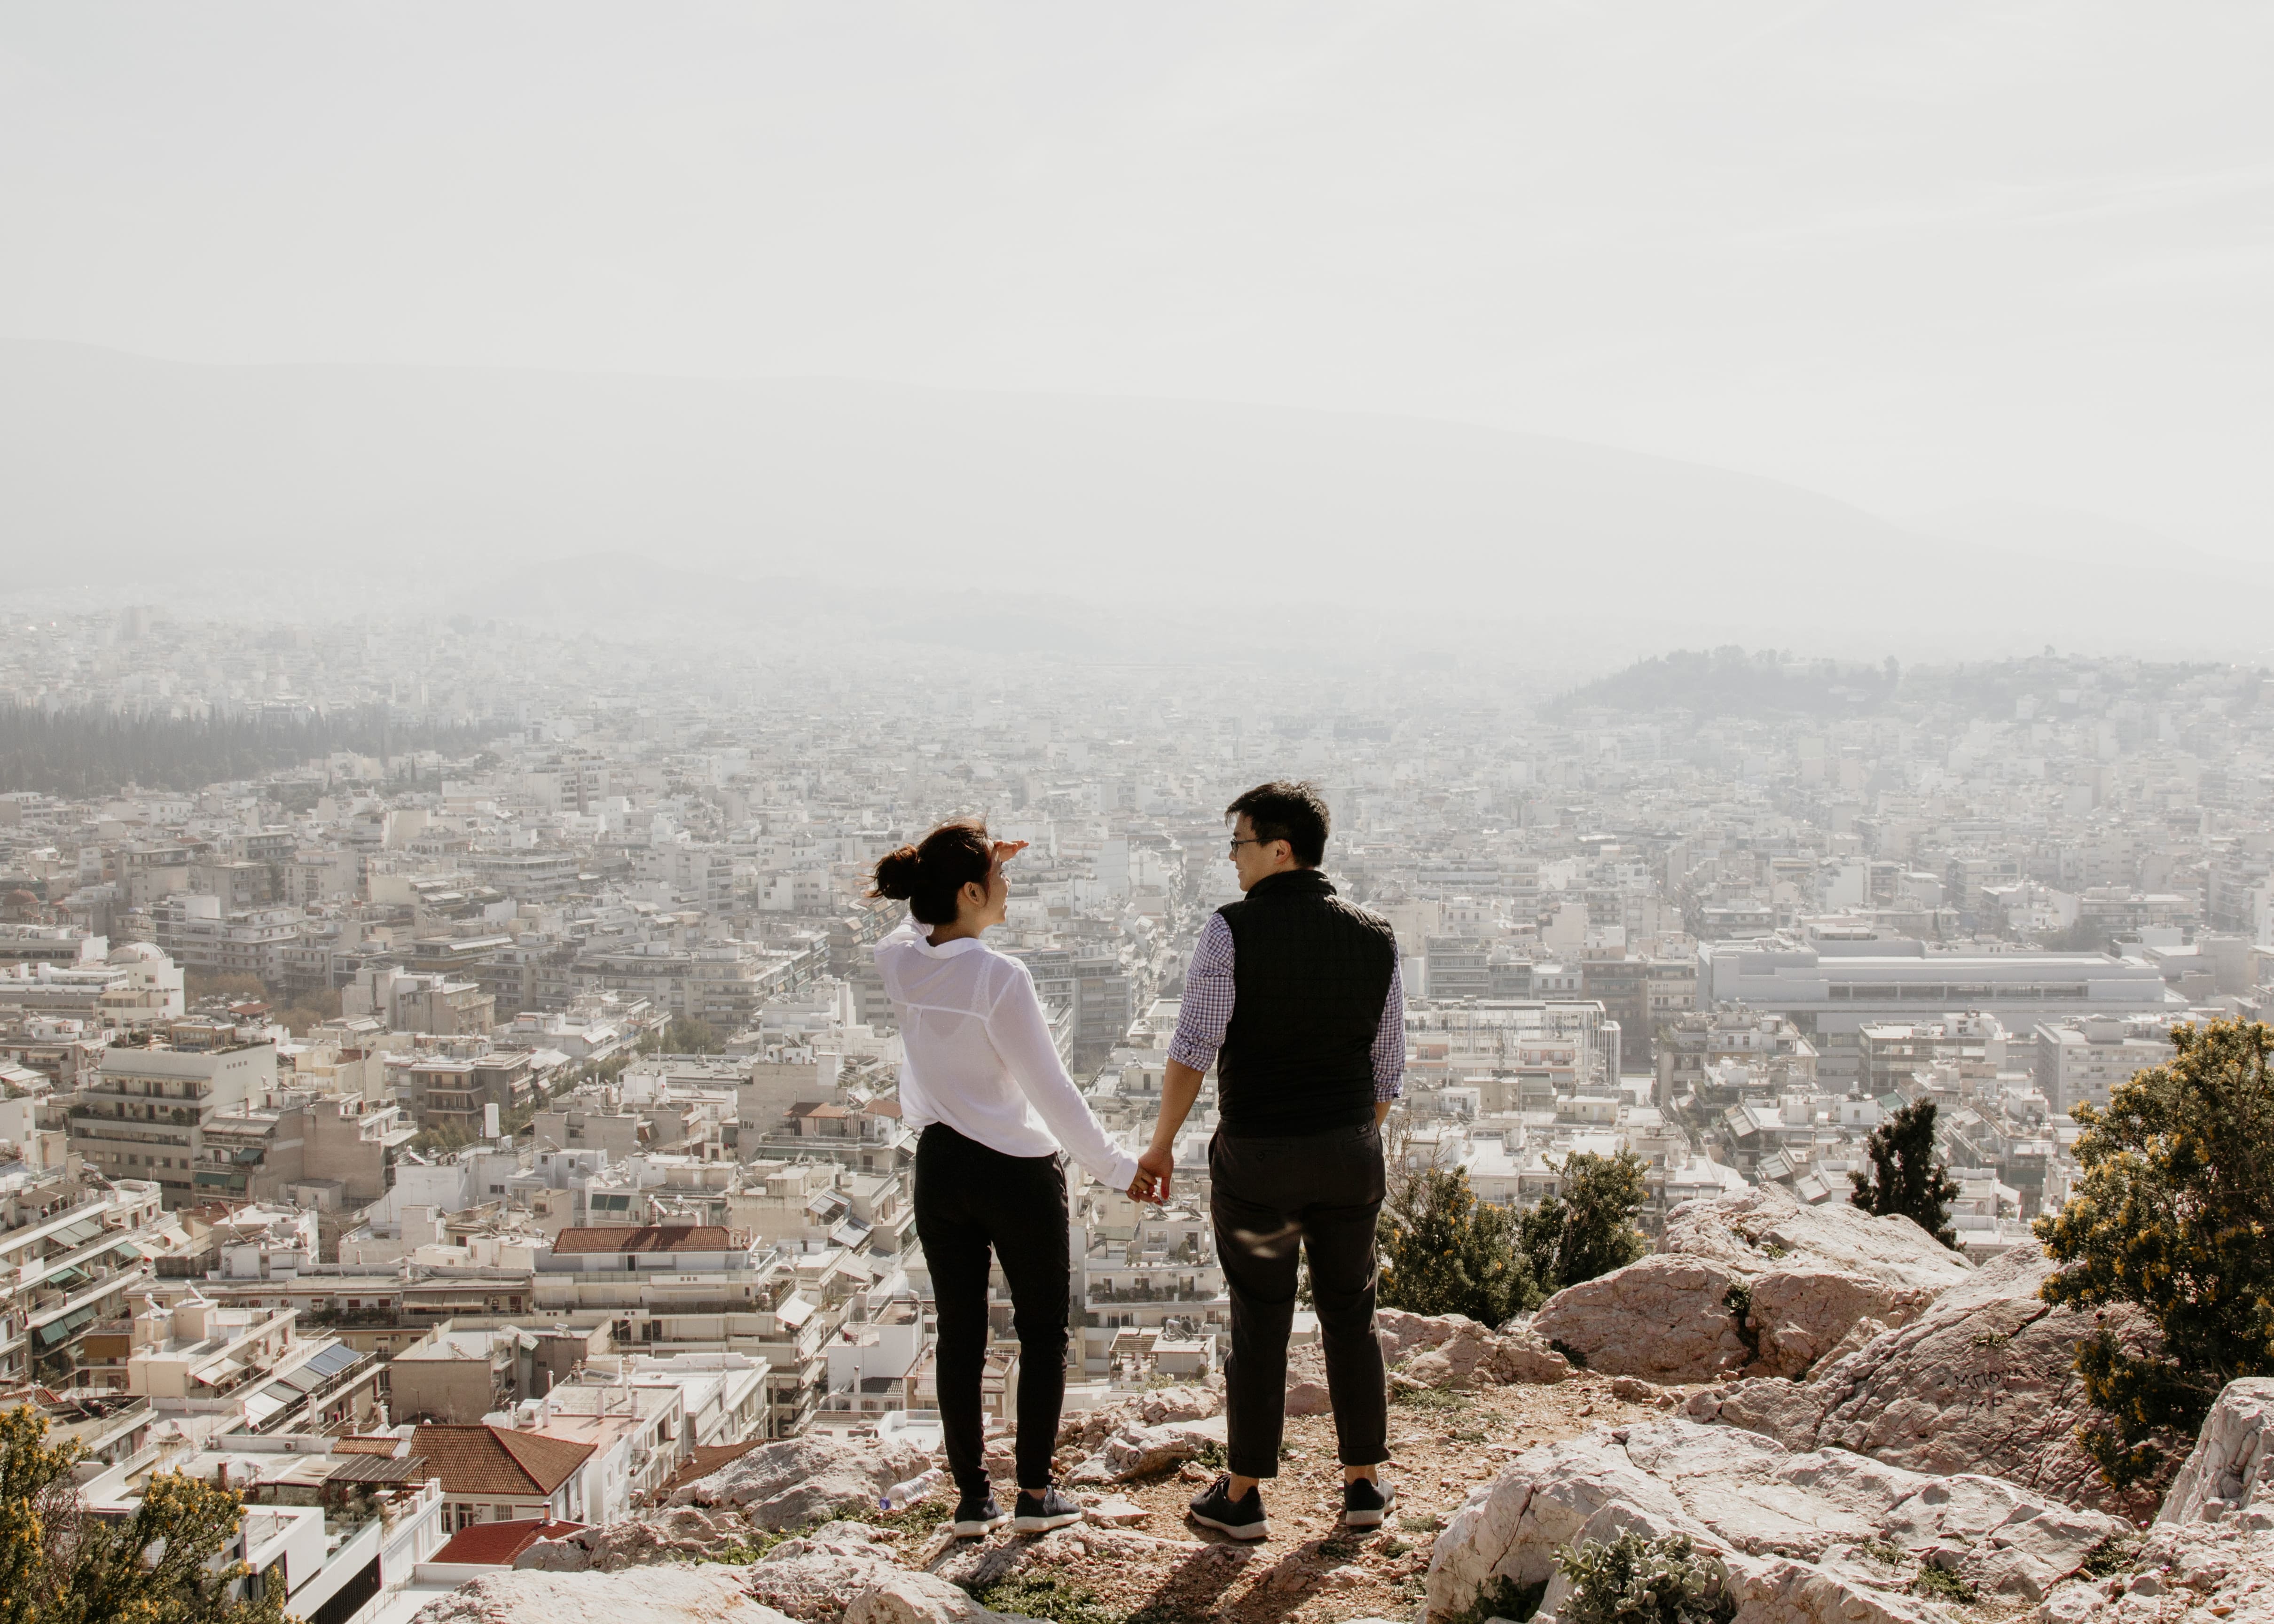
(902, 1494)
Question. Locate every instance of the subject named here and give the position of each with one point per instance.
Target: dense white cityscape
(512, 1076)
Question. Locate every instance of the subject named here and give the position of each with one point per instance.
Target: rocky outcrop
(812, 1578)
(2196, 1573)
(1822, 1535)
(801, 1480)
(1799, 1315)
(1758, 1282)
(1768, 1228)
(1983, 1381)
(1453, 1350)
(708, 1594)
(921, 1598)
(2230, 1469)
(682, 1534)
(1668, 1318)
(1141, 1451)
(977, 1564)
(1088, 1430)
(1306, 1381)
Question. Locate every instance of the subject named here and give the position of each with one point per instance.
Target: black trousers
(1324, 1191)
(968, 1199)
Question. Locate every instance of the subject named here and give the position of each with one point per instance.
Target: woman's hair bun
(928, 877)
(897, 873)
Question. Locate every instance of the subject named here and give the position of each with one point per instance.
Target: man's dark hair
(1292, 812)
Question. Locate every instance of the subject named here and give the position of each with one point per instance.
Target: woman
(983, 1082)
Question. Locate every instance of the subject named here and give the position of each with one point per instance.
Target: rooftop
(643, 1237)
(494, 1460)
(495, 1544)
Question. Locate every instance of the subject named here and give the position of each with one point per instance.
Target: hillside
(385, 482)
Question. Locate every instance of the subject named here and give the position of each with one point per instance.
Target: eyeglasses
(1253, 840)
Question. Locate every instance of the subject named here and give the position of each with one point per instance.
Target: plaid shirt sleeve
(1389, 1039)
(1207, 1007)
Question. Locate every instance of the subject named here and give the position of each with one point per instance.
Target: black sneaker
(1366, 1503)
(1242, 1518)
(977, 1514)
(1038, 1514)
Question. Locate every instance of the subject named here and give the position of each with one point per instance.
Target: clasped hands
(1151, 1184)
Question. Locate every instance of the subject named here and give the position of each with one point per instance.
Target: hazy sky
(1910, 254)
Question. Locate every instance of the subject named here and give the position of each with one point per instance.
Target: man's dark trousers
(1324, 1190)
(967, 1197)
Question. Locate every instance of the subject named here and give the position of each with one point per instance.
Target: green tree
(1445, 1252)
(1587, 1228)
(60, 1564)
(2172, 1212)
(691, 1034)
(1905, 1178)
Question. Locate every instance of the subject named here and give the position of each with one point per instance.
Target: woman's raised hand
(1006, 850)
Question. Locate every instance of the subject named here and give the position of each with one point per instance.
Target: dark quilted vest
(1310, 975)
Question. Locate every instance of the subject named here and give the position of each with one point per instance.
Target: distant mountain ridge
(1730, 681)
(394, 483)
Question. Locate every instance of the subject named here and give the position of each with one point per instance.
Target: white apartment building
(2078, 1061)
(147, 1114)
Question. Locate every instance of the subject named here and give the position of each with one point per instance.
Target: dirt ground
(1168, 1570)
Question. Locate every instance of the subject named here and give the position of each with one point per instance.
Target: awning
(331, 1361)
(259, 1407)
(77, 1234)
(218, 1372)
(56, 1330)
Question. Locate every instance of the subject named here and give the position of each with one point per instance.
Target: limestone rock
(2231, 1467)
(1474, 1353)
(1859, 1335)
(2190, 1573)
(1790, 1530)
(1088, 1430)
(1811, 1273)
(813, 1578)
(681, 1534)
(979, 1563)
(694, 1595)
(1769, 1228)
(2007, 1542)
(799, 1480)
(1116, 1511)
(1306, 1380)
(1665, 1318)
(1801, 1314)
(1401, 1333)
(1983, 1381)
(918, 1598)
(1141, 1451)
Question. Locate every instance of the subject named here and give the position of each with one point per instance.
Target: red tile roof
(494, 1460)
(703, 1459)
(495, 1544)
(644, 1238)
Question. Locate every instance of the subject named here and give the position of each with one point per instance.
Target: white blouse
(979, 1054)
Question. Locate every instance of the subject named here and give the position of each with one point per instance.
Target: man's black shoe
(976, 1514)
(1242, 1518)
(1366, 1503)
(1038, 1514)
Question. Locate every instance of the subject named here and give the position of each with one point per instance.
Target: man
(1295, 996)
